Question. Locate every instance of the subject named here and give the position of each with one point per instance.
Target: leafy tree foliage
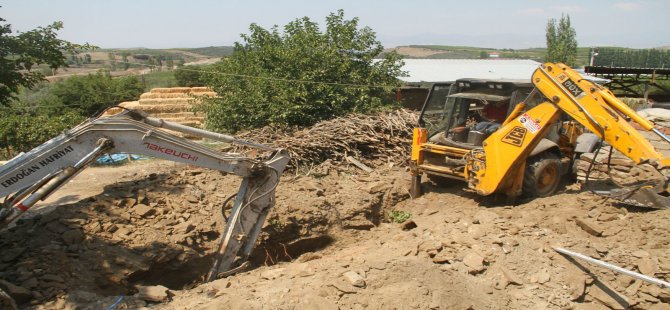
(190, 76)
(21, 54)
(22, 131)
(301, 75)
(92, 93)
(561, 41)
(43, 112)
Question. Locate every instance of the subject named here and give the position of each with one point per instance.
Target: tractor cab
(457, 118)
(465, 113)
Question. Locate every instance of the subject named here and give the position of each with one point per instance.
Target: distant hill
(186, 54)
(130, 61)
(468, 52)
(142, 60)
(212, 51)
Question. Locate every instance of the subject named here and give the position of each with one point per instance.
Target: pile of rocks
(149, 225)
(616, 168)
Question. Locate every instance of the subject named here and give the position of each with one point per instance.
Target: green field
(158, 79)
(211, 51)
(469, 52)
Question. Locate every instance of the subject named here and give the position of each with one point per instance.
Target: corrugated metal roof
(438, 70)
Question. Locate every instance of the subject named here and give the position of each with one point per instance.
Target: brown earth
(414, 52)
(329, 243)
(144, 234)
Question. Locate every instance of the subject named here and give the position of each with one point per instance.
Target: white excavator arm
(33, 176)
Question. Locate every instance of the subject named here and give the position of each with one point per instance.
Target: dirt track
(329, 244)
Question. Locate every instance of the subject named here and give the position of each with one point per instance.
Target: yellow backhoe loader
(519, 138)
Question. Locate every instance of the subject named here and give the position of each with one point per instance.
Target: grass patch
(399, 216)
(158, 79)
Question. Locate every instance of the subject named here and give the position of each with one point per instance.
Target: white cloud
(627, 6)
(568, 9)
(533, 11)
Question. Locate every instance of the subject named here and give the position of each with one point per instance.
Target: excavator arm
(599, 111)
(33, 176)
(500, 165)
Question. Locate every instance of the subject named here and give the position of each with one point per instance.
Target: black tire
(543, 175)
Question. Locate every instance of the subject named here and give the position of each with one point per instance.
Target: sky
(200, 23)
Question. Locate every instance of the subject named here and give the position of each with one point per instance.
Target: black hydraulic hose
(223, 208)
(628, 189)
(595, 155)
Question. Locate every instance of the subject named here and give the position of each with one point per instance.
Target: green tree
(91, 93)
(169, 63)
(301, 75)
(22, 130)
(112, 61)
(561, 41)
(151, 63)
(126, 64)
(190, 76)
(23, 53)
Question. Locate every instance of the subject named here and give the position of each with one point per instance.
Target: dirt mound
(462, 255)
(161, 228)
(332, 242)
(329, 242)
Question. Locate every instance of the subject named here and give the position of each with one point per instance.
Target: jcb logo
(515, 136)
(573, 88)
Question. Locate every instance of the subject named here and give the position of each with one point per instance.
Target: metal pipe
(614, 268)
(157, 122)
(28, 190)
(660, 134)
(626, 110)
(103, 146)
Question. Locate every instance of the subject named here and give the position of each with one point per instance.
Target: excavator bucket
(646, 197)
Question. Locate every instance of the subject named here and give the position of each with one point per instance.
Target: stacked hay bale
(171, 104)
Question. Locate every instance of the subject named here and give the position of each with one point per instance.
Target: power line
(20, 108)
(264, 78)
(211, 72)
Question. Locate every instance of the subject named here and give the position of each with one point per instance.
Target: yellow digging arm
(599, 111)
(499, 167)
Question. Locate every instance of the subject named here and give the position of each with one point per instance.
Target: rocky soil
(331, 242)
(338, 238)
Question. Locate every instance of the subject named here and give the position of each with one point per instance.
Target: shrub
(300, 76)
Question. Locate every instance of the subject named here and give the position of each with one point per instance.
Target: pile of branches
(372, 139)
